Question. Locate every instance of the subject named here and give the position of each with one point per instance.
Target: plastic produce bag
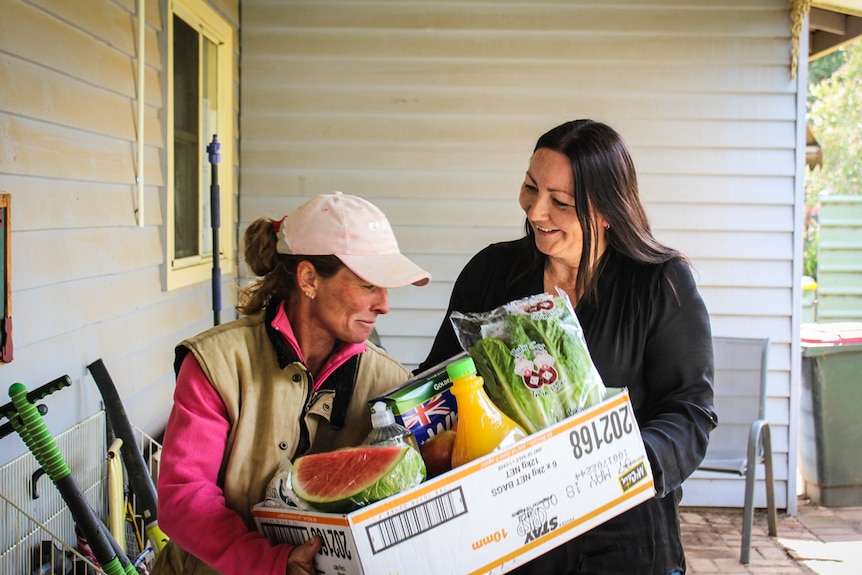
(533, 357)
(279, 494)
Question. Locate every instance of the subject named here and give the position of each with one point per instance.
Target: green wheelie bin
(831, 413)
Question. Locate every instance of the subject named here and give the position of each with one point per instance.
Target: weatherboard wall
(87, 281)
(431, 109)
(839, 260)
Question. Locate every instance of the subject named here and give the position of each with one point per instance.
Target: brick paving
(819, 540)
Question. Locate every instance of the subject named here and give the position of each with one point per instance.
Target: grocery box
(492, 514)
(424, 404)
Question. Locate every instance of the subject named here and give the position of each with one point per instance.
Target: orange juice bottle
(482, 427)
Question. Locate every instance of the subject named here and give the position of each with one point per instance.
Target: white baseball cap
(354, 230)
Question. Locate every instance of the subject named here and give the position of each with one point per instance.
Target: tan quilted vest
(267, 407)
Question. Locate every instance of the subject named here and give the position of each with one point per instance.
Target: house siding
(87, 281)
(430, 110)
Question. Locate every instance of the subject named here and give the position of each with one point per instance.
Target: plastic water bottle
(386, 431)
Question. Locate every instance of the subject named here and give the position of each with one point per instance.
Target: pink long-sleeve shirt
(192, 509)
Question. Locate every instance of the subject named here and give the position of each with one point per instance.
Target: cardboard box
(494, 513)
(424, 404)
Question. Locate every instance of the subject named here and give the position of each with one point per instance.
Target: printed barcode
(290, 534)
(415, 520)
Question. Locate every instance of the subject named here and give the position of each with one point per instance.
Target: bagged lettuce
(534, 359)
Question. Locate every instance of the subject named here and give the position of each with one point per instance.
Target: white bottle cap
(381, 415)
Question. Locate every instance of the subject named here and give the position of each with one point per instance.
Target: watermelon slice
(344, 480)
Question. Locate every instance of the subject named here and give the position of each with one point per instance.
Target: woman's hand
(301, 560)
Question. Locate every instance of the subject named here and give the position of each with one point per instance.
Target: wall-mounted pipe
(142, 64)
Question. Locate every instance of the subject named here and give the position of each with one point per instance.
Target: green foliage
(809, 251)
(835, 118)
(822, 68)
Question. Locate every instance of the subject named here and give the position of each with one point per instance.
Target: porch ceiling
(832, 24)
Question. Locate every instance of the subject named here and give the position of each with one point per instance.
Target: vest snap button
(297, 378)
(282, 445)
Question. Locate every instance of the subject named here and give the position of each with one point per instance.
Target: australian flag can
(424, 404)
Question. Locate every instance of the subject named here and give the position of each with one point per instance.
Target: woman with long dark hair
(646, 326)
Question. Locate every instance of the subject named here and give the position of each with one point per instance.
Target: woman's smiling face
(548, 200)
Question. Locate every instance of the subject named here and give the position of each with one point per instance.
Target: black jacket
(648, 330)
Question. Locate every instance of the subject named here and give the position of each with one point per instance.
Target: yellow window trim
(188, 271)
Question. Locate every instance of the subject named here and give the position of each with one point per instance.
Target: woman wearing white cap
(290, 377)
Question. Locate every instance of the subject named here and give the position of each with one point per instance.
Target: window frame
(196, 269)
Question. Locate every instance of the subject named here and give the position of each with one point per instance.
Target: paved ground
(819, 540)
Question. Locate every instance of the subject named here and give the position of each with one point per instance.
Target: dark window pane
(186, 141)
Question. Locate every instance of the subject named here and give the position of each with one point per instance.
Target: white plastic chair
(742, 438)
